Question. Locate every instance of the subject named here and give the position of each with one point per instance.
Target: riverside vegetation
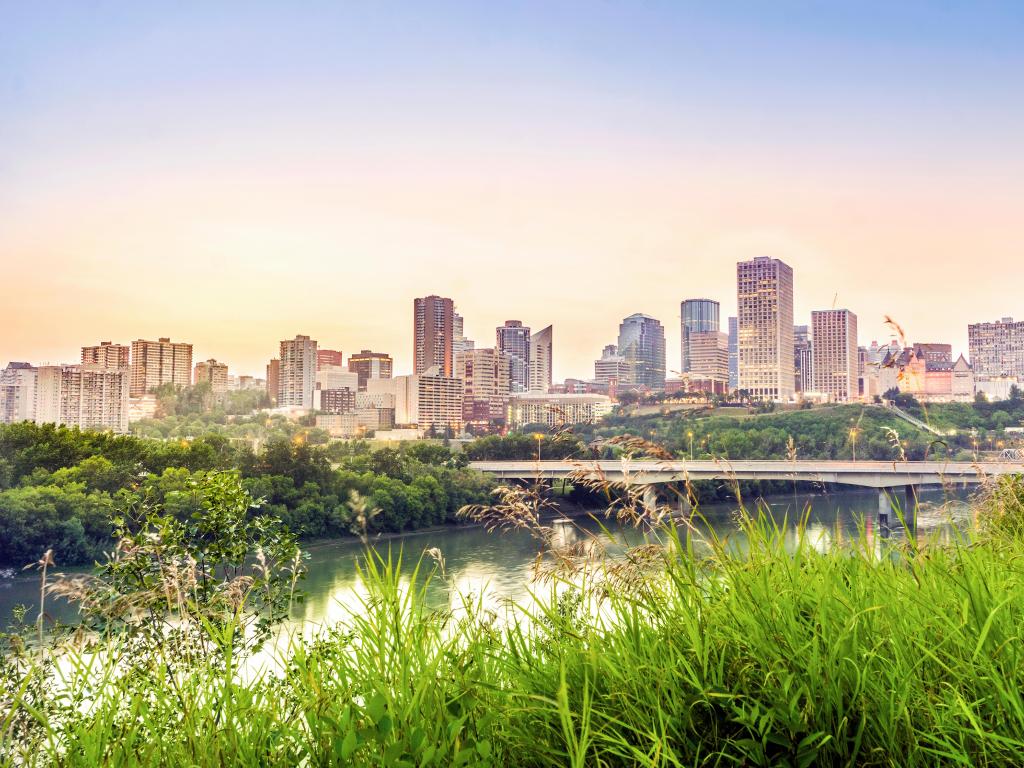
(679, 651)
(60, 487)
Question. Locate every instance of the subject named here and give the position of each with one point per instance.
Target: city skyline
(232, 179)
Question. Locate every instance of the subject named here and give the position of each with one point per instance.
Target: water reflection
(497, 567)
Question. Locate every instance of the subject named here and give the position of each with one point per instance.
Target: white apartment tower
(764, 296)
(297, 377)
(834, 354)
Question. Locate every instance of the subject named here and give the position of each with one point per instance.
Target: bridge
(885, 476)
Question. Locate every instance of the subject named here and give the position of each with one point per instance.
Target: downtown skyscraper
(764, 297)
(541, 359)
(642, 343)
(696, 316)
(513, 339)
(433, 333)
(296, 383)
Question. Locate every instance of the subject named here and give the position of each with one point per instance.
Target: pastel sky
(232, 174)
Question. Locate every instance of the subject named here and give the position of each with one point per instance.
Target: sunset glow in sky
(236, 174)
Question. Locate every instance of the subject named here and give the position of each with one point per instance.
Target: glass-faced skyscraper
(696, 316)
(642, 344)
(764, 297)
(513, 339)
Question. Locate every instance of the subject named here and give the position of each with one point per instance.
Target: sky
(234, 174)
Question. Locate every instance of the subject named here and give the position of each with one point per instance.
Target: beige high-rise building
(433, 334)
(83, 396)
(107, 355)
(297, 377)
(764, 295)
(154, 363)
(835, 366)
(485, 375)
(428, 401)
(213, 372)
(997, 349)
(273, 379)
(709, 355)
(541, 353)
(17, 393)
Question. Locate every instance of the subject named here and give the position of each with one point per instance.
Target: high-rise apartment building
(557, 409)
(734, 355)
(997, 349)
(154, 363)
(764, 294)
(17, 393)
(433, 332)
(297, 376)
(212, 372)
(803, 359)
(696, 316)
(485, 386)
(370, 365)
(427, 401)
(835, 354)
(107, 355)
(709, 356)
(329, 357)
(83, 396)
(642, 343)
(541, 360)
(273, 379)
(513, 339)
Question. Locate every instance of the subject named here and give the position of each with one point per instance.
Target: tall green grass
(771, 656)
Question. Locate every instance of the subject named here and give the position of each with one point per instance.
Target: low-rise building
(556, 410)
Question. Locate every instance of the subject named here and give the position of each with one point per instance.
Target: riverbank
(787, 653)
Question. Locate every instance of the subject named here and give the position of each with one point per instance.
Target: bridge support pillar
(884, 508)
(651, 498)
(910, 513)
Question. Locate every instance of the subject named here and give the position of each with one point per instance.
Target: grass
(778, 655)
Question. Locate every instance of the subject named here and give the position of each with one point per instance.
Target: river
(499, 566)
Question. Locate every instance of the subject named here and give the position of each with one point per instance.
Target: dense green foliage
(783, 653)
(59, 487)
(824, 432)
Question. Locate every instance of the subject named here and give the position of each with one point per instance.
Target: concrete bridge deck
(866, 474)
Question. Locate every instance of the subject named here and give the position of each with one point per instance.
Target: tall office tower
(696, 316)
(612, 368)
(297, 377)
(83, 396)
(159, 362)
(709, 356)
(734, 357)
(541, 360)
(642, 343)
(370, 365)
(485, 386)
(459, 341)
(513, 338)
(213, 372)
(997, 349)
(17, 393)
(764, 293)
(803, 359)
(934, 353)
(835, 353)
(433, 331)
(329, 357)
(273, 379)
(107, 355)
